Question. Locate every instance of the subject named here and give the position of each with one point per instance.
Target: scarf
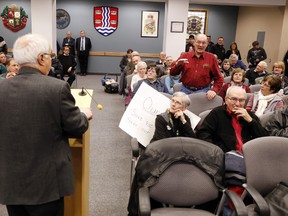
(2, 44)
(263, 102)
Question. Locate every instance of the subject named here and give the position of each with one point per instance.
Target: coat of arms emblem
(105, 20)
(14, 17)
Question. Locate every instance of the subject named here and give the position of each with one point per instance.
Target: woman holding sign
(174, 122)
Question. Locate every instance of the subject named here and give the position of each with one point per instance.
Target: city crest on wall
(105, 19)
(14, 17)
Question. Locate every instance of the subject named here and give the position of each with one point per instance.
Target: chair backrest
(255, 88)
(162, 78)
(177, 87)
(228, 79)
(184, 184)
(203, 115)
(128, 80)
(167, 95)
(200, 102)
(258, 80)
(266, 162)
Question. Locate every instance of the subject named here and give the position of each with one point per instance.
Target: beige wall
(261, 19)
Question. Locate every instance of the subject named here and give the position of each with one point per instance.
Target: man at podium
(37, 115)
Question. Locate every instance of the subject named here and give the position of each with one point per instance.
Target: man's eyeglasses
(235, 100)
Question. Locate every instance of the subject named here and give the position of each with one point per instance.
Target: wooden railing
(113, 54)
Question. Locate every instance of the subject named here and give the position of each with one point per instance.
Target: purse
(278, 200)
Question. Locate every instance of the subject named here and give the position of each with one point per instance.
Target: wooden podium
(78, 203)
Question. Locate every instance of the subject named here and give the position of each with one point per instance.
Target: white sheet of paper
(139, 118)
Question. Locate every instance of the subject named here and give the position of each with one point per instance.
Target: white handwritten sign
(139, 118)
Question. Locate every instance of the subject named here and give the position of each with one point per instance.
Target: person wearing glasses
(198, 69)
(231, 125)
(37, 117)
(267, 99)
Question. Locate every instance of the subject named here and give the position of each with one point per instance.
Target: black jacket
(161, 154)
(217, 128)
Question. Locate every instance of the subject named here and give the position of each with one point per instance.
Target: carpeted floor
(110, 153)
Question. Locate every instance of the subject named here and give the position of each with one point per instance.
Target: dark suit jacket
(71, 44)
(88, 45)
(37, 114)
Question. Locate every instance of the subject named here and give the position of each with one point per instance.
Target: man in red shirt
(198, 69)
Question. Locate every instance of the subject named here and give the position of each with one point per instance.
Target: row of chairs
(186, 184)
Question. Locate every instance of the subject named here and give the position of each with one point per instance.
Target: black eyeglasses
(235, 100)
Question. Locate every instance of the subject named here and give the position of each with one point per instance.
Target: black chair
(184, 172)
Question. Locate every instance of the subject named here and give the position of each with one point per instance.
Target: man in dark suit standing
(36, 118)
(83, 46)
(70, 42)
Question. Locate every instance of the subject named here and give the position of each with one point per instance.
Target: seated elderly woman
(267, 99)
(278, 69)
(153, 73)
(141, 74)
(237, 79)
(174, 122)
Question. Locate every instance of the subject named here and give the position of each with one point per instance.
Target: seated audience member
(152, 80)
(131, 66)
(231, 125)
(226, 68)
(168, 64)
(141, 74)
(236, 63)
(174, 122)
(3, 45)
(267, 99)
(279, 69)
(68, 62)
(56, 67)
(233, 50)
(259, 71)
(199, 79)
(170, 81)
(161, 60)
(277, 124)
(126, 59)
(237, 79)
(3, 69)
(3, 58)
(12, 68)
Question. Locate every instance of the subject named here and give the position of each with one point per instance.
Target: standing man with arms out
(83, 46)
(36, 119)
(70, 42)
(198, 69)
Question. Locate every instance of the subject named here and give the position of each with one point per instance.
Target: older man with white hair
(37, 114)
(231, 125)
(259, 71)
(198, 69)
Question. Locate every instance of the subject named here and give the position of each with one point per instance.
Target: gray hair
(263, 64)
(236, 88)
(233, 56)
(184, 97)
(141, 64)
(27, 48)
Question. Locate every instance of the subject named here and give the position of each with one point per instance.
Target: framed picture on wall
(177, 27)
(149, 23)
(197, 21)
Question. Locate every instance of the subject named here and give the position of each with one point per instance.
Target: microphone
(83, 93)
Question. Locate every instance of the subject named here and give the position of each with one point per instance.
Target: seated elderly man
(236, 63)
(259, 71)
(231, 125)
(277, 124)
(174, 122)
